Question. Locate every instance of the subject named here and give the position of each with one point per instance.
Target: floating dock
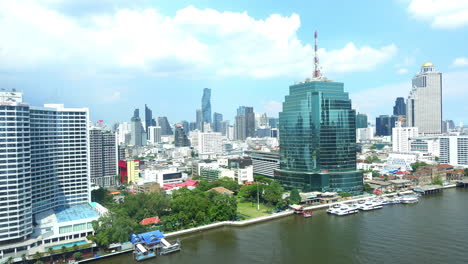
(149, 245)
(462, 183)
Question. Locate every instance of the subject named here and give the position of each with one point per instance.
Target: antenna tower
(316, 59)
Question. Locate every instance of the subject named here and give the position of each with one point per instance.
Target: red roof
(445, 166)
(187, 183)
(150, 221)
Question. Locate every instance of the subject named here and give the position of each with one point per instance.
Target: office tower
(123, 133)
(361, 120)
(401, 137)
(273, 122)
(180, 138)
(136, 113)
(384, 125)
(48, 148)
(137, 133)
(148, 118)
(199, 119)
(154, 134)
(224, 127)
(206, 106)
(217, 122)
(186, 126)
(192, 126)
(424, 104)
(454, 150)
(400, 107)
(245, 123)
(166, 129)
(262, 121)
(103, 157)
(317, 135)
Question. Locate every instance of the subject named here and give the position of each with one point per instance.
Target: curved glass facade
(318, 139)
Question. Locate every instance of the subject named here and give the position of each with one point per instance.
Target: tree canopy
(294, 196)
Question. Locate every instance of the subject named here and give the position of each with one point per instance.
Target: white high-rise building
(401, 137)
(210, 143)
(123, 133)
(44, 165)
(154, 134)
(454, 150)
(424, 104)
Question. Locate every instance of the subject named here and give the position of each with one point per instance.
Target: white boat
(333, 208)
(370, 205)
(342, 210)
(409, 199)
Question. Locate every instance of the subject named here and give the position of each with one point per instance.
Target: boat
(370, 205)
(409, 199)
(333, 208)
(307, 213)
(346, 210)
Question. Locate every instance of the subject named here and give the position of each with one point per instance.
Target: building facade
(245, 123)
(154, 133)
(217, 122)
(400, 107)
(424, 104)
(180, 138)
(361, 120)
(206, 106)
(318, 139)
(454, 150)
(401, 137)
(103, 157)
(264, 163)
(166, 129)
(384, 125)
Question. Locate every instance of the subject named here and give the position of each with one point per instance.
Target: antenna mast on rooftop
(316, 59)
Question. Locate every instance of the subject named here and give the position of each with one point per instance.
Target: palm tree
(64, 250)
(24, 258)
(9, 260)
(51, 252)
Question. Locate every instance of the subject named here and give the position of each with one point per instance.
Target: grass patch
(248, 210)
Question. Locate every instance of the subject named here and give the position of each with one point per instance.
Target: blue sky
(114, 56)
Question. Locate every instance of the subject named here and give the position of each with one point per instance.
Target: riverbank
(252, 221)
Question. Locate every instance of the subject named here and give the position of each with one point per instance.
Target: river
(435, 230)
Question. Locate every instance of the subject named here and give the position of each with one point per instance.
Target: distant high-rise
(361, 120)
(217, 120)
(136, 113)
(192, 126)
(186, 126)
(245, 123)
(199, 119)
(317, 135)
(384, 125)
(206, 106)
(148, 118)
(400, 107)
(137, 133)
(154, 133)
(273, 122)
(424, 104)
(401, 137)
(166, 129)
(180, 138)
(103, 157)
(225, 127)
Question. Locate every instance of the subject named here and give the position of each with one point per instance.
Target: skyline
(252, 62)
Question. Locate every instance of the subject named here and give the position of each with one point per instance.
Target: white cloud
(194, 42)
(460, 62)
(402, 71)
(441, 13)
(272, 108)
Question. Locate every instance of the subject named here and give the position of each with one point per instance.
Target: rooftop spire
(316, 59)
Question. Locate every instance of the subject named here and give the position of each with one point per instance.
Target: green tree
(417, 164)
(345, 194)
(37, 255)
(262, 179)
(77, 255)
(51, 252)
(249, 192)
(294, 196)
(24, 258)
(367, 188)
(273, 193)
(466, 172)
(9, 260)
(38, 262)
(437, 180)
(227, 183)
(222, 207)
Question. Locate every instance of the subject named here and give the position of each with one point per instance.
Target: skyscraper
(400, 107)
(361, 120)
(424, 104)
(206, 106)
(317, 135)
(217, 120)
(137, 133)
(186, 126)
(180, 138)
(154, 133)
(384, 125)
(103, 157)
(48, 149)
(166, 129)
(273, 122)
(148, 118)
(245, 123)
(199, 119)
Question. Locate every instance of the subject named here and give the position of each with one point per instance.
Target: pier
(463, 183)
(428, 189)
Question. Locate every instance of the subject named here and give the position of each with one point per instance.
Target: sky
(114, 55)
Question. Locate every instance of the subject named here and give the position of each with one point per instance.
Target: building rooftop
(75, 212)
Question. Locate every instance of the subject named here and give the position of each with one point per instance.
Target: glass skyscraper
(206, 106)
(317, 130)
